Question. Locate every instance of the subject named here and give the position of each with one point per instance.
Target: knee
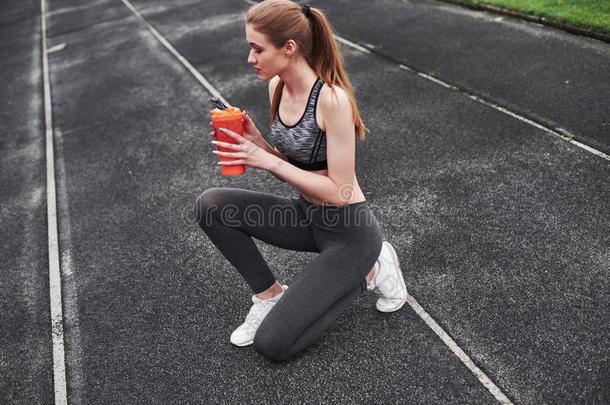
(207, 204)
(271, 345)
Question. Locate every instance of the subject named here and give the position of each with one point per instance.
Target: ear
(290, 48)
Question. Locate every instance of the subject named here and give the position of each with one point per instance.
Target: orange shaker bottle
(230, 118)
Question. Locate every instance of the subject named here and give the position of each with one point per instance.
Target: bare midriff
(358, 195)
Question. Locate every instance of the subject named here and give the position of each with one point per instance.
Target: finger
(248, 121)
(231, 162)
(232, 134)
(226, 145)
(229, 154)
(228, 132)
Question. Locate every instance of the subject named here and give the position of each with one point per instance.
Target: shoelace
(254, 318)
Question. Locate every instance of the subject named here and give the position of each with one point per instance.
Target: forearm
(317, 185)
(265, 145)
(268, 148)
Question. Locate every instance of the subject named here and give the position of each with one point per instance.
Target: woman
(314, 124)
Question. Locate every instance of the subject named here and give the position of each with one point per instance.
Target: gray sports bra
(304, 143)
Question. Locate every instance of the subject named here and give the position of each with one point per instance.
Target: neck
(298, 78)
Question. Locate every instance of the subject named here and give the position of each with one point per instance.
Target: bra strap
(312, 103)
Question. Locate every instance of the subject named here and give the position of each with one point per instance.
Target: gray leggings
(348, 239)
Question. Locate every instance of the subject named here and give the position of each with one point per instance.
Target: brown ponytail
(282, 20)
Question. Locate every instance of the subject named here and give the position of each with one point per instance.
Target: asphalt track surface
(501, 226)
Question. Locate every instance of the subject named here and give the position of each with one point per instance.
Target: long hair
(282, 20)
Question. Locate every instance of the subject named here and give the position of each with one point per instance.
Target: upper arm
(340, 140)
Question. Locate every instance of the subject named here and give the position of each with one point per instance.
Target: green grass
(593, 14)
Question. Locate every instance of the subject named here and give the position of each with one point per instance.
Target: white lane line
(208, 86)
(434, 79)
(57, 326)
(74, 356)
(567, 138)
(464, 358)
(56, 48)
(352, 44)
(589, 149)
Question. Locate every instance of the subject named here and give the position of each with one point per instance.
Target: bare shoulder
(334, 104)
(334, 97)
(272, 85)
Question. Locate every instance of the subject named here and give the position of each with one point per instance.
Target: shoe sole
(243, 344)
(402, 280)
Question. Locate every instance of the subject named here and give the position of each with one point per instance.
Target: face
(266, 59)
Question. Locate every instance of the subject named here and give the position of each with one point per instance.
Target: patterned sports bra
(304, 143)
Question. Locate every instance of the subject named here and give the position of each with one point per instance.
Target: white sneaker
(244, 334)
(388, 281)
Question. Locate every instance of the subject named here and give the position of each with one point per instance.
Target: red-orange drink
(230, 118)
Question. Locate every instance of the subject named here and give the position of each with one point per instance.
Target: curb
(573, 29)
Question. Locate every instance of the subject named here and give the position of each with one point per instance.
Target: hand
(245, 152)
(251, 133)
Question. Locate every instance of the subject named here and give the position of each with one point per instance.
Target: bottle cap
(230, 113)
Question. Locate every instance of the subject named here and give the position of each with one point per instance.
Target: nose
(251, 58)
